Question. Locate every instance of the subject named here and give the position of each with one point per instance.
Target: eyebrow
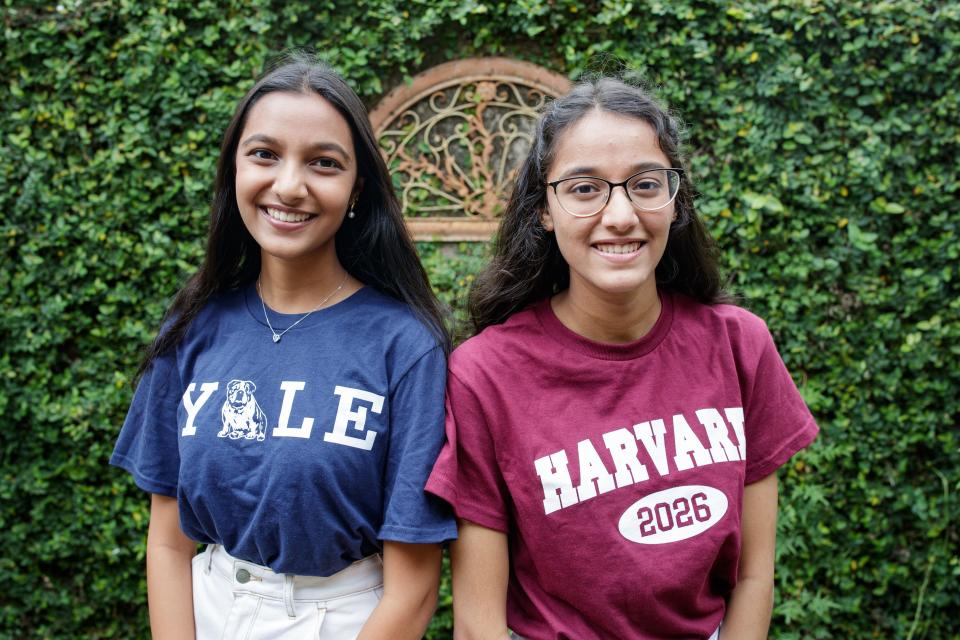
(315, 147)
(587, 170)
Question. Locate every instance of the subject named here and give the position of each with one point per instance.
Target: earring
(351, 214)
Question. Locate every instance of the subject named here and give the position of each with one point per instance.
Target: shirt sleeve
(467, 474)
(148, 444)
(776, 419)
(416, 436)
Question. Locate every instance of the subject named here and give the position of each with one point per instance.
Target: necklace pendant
(276, 337)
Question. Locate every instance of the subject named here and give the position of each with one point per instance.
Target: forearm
(751, 602)
(477, 621)
(411, 577)
(170, 593)
(480, 569)
(400, 618)
(480, 634)
(169, 578)
(748, 613)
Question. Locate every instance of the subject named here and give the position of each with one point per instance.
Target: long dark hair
(374, 246)
(527, 265)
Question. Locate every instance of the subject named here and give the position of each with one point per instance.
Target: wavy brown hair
(527, 265)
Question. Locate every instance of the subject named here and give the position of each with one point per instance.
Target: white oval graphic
(673, 514)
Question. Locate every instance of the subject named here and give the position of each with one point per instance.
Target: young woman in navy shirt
(291, 407)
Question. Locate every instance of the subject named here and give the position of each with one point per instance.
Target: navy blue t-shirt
(301, 455)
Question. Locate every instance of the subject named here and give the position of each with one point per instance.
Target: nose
(619, 213)
(290, 185)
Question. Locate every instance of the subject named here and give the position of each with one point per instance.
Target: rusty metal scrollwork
(454, 138)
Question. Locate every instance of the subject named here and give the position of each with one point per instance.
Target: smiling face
(613, 254)
(296, 176)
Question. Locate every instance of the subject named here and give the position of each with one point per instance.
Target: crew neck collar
(605, 350)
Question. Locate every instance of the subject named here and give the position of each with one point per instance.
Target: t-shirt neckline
(605, 350)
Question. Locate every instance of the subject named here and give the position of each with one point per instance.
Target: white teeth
(284, 216)
(630, 247)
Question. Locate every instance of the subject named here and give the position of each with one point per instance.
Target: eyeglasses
(647, 190)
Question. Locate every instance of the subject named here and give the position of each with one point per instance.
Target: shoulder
(499, 347)
(392, 318)
(383, 328)
(711, 321)
(218, 314)
(221, 308)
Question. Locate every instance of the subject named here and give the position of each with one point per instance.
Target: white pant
(237, 600)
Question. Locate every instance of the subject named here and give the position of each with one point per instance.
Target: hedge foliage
(825, 139)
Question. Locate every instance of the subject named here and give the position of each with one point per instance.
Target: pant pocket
(272, 621)
(243, 618)
(346, 616)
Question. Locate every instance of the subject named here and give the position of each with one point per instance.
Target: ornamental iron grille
(453, 140)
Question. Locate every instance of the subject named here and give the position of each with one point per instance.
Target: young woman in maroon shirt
(614, 429)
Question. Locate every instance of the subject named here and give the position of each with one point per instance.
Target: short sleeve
(416, 436)
(467, 474)
(147, 447)
(777, 422)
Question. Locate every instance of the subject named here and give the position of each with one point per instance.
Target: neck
(287, 287)
(613, 319)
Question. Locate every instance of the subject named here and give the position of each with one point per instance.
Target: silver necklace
(277, 336)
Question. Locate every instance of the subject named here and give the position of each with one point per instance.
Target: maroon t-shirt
(618, 470)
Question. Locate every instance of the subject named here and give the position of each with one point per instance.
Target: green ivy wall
(824, 136)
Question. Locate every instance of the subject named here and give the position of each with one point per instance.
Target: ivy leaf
(863, 240)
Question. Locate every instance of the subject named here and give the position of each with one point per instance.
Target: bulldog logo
(241, 415)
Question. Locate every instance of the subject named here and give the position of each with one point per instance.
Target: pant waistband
(362, 575)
